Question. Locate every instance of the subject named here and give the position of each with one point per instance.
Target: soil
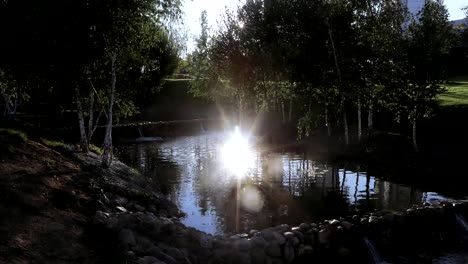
(45, 206)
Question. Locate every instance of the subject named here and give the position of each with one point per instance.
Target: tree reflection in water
(281, 186)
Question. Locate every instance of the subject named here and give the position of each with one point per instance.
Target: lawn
(456, 94)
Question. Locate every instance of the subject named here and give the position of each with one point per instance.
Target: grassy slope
(456, 94)
(45, 204)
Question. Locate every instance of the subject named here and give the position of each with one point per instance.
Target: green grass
(456, 94)
(9, 141)
(95, 149)
(57, 145)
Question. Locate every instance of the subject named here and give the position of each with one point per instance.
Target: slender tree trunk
(107, 155)
(327, 120)
(93, 123)
(290, 110)
(345, 121)
(83, 138)
(359, 118)
(415, 142)
(338, 71)
(370, 118)
(91, 115)
(283, 114)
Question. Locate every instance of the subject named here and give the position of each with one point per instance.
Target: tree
(427, 42)
(120, 28)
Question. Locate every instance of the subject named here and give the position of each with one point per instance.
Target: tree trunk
(91, 115)
(370, 118)
(290, 110)
(107, 155)
(415, 142)
(359, 118)
(283, 114)
(93, 123)
(345, 121)
(327, 121)
(83, 139)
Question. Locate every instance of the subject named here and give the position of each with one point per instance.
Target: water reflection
(279, 187)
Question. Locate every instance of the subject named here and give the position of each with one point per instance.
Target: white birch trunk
(415, 142)
(327, 121)
(283, 114)
(91, 115)
(359, 118)
(370, 118)
(345, 122)
(83, 138)
(107, 154)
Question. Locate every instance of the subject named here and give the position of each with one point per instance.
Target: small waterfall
(462, 222)
(375, 254)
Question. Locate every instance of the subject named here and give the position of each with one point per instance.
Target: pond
(224, 190)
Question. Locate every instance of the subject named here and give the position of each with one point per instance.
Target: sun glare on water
(237, 155)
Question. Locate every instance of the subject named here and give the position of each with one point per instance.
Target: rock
(343, 252)
(166, 225)
(121, 201)
(296, 228)
(253, 232)
(143, 245)
(275, 261)
(289, 235)
(300, 236)
(273, 250)
(309, 237)
(289, 253)
(158, 253)
(373, 219)
(121, 209)
(324, 236)
(139, 208)
(308, 250)
(218, 243)
(304, 227)
(258, 256)
(234, 237)
(364, 221)
(282, 228)
(258, 242)
(346, 225)
(176, 254)
(149, 260)
(279, 238)
(244, 235)
(100, 218)
(205, 241)
(334, 222)
(242, 245)
(388, 217)
(148, 224)
(129, 254)
(126, 238)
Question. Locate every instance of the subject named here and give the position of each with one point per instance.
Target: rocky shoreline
(135, 224)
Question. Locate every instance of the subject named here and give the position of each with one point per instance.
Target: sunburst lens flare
(237, 155)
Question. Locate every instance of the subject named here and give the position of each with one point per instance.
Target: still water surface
(279, 186)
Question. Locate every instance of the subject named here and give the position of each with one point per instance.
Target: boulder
(126, 238)
(273, 249)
